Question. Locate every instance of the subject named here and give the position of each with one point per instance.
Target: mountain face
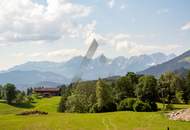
(101, 66)
(179, 63)
(68, 68)
(182, 72)
(52, 73)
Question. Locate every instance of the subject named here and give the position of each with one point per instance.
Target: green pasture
(73, 121)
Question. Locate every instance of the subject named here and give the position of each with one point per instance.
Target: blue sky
(56, 30)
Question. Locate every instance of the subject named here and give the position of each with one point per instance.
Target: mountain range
(179, 64)
(25, 79)
(52, 73)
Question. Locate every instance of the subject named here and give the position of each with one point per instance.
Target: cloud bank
(25, 20)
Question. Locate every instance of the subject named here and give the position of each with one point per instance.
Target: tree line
(130, 92)
(11, 95)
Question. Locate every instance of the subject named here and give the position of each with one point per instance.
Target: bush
(94, 109)
(169, 107)
(140, 106)
(74, 104)
(178, 98)
(110, 107)
(153, 106)
(29, 99)
(126, 104)
(20, 98)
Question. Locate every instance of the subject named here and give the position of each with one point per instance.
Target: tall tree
(186, 90)
(62, 104)
(10, 92)
(29, 91)
(1, 91)
(66, 91)
(124, 88)
(147, 89)
(103, 94)
(133, 77)
(169, 83)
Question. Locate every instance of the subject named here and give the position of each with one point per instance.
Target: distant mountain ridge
(31, 78)
(109, 67)
(52, 73)
(180, 63)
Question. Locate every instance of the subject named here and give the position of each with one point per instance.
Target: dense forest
(130, 92)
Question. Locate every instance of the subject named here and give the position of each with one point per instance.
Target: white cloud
(55, 55)
(58, 55)
(20, 54)
(122, 42)
(111, 3)
(36, 54)
(88, 32)
(136, 49)
(24, 20)
(186, 26)
(64, 53)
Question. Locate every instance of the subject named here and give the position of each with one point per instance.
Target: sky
(56, 30)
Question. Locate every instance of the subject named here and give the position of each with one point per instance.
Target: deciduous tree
(103, 95)
(125, 88)
(147, 89)
(186, 93)
(10, 92)
(169, 84)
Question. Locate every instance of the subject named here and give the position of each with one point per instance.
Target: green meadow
(73, 121)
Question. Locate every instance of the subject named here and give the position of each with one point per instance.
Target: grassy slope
(7, 109)
(66, 121)
(47, 104)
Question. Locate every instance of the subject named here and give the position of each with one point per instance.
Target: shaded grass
(176, 106)
(24, 105)
(8, 109)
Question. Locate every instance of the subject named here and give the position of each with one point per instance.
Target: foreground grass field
(66, 121)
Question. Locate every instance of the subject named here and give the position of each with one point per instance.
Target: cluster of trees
(9, 93)
(131, 92)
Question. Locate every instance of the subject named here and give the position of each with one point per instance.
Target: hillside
(180, 62)
(72, 121)
(45, 104)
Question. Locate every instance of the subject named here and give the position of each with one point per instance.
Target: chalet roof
(47, 89)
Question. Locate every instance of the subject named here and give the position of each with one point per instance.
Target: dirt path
(183, 115)
(109, 124)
